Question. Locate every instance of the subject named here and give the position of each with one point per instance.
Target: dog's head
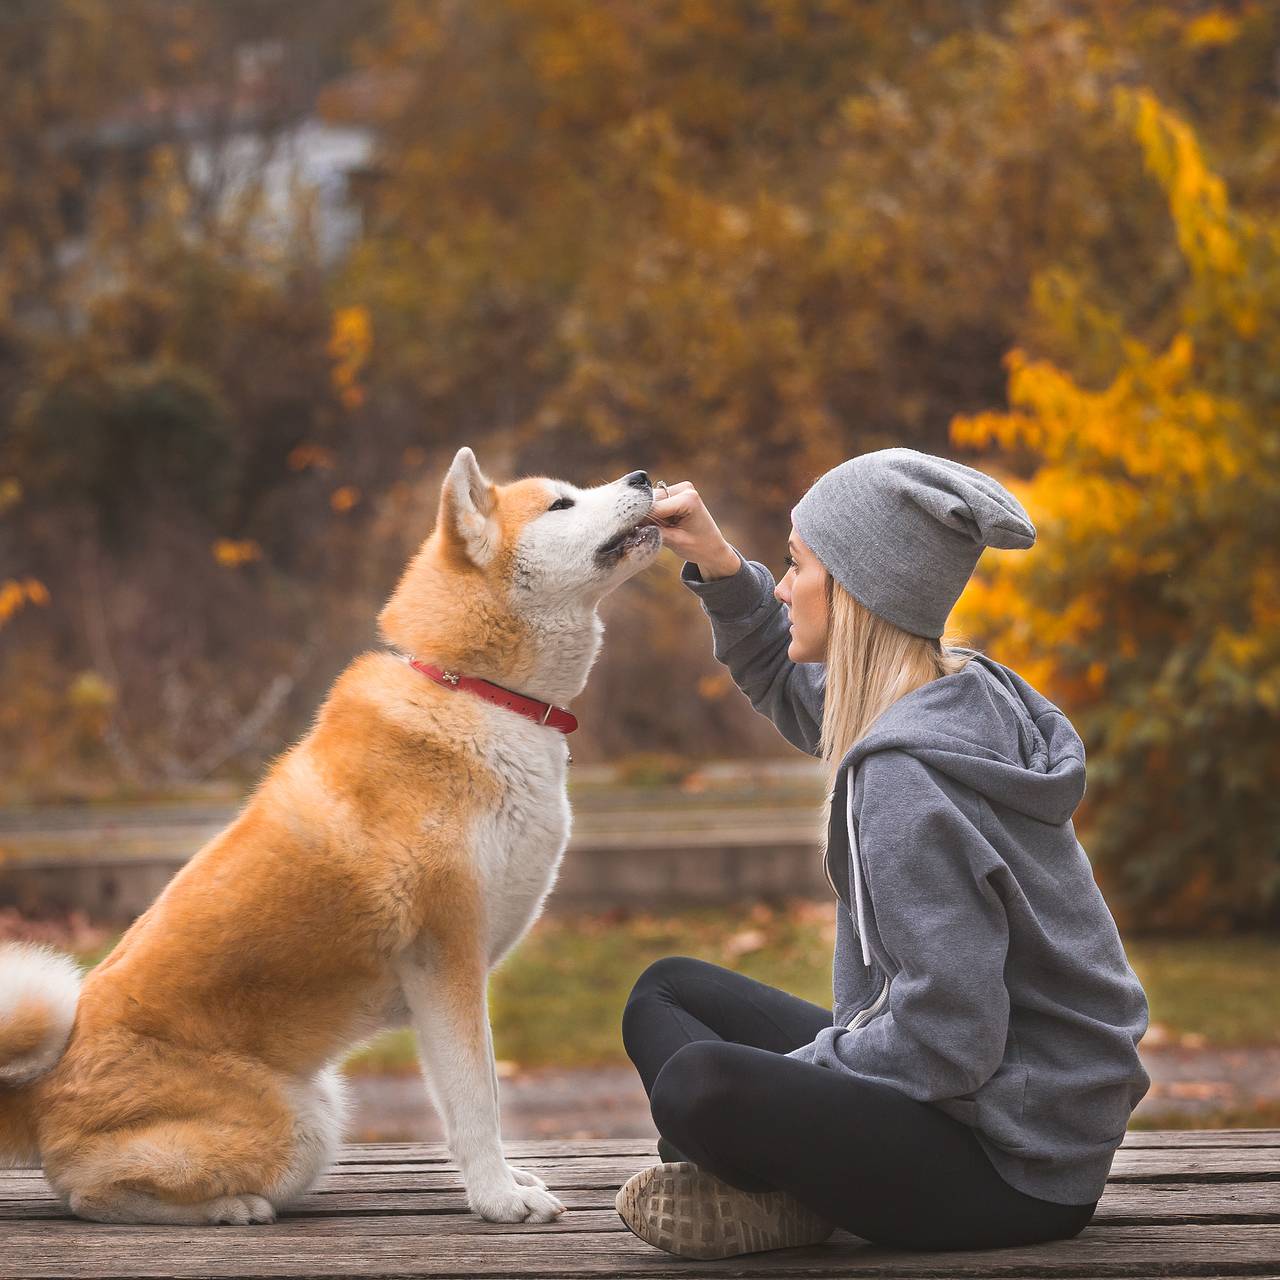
(500, 553)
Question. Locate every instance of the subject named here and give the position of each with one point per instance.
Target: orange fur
(17, 1128)
(273, 950)
(27, 1027)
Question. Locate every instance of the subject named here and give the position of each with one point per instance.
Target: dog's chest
(519, 843)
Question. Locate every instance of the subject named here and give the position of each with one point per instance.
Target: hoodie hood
(987, 728)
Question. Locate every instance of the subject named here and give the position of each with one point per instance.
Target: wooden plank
(438, 1153)
(250, 1252)
(1136, 1205)
(1179, 1203)
(570, 1148)
(408, 1152)
(1205, 1165)
(1192, 1165)
(1201, 1138)
(1149, 1165)
(1123, 1204)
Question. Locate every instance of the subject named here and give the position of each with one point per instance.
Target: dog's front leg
(447, 996)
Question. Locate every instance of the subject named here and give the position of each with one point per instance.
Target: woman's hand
(689, 530)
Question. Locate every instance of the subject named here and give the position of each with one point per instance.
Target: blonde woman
(977, 1072)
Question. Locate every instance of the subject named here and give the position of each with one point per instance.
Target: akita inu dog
(378, 872)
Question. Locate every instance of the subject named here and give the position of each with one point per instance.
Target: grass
(557, 1000)
(1223, 989)
(1262, 1115)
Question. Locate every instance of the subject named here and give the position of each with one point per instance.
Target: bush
(1150, 608)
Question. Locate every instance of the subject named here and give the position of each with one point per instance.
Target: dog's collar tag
(533, 708)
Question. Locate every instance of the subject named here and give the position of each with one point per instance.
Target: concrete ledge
(599, 871)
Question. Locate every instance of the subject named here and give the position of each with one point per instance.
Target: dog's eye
(561, 504)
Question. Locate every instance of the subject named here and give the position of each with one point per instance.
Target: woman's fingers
(676, 507)
(681, 492)
(687, 526)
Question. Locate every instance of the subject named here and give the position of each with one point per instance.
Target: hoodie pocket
(1000, 1105)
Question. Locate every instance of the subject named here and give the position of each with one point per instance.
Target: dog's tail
(38, 993)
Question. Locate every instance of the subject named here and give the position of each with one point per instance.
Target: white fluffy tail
(38, 993)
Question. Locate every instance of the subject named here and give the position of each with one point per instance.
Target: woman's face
(803, 590)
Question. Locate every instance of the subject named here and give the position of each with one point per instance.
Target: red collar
(543, 712)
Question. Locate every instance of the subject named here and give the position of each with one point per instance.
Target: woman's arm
(750, 631)
(749, 626)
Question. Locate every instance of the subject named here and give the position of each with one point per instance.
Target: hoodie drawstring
(855, 862)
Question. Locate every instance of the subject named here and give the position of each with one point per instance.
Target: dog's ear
(468, 500)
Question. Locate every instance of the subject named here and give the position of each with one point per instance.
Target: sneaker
(692, 1213)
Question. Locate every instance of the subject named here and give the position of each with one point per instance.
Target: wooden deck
(1188, 1203)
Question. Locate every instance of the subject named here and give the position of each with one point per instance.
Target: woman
(978, 1070)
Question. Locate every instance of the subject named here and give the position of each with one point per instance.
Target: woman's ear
(468, 500)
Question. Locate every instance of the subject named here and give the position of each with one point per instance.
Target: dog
(383, 866)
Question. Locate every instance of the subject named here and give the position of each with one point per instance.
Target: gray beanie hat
(901, 531)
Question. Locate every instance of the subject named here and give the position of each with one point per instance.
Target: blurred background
(266, 264)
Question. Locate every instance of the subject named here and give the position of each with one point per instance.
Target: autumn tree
(1151, 605)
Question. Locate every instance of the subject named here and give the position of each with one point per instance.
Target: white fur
(37, 974)
(517, 848)
(320, 1108)
(138, 1206)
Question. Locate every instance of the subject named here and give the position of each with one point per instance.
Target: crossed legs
(708, 1044)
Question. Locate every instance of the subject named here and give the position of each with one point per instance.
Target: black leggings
(708, 1044)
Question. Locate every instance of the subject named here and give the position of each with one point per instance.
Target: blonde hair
(871, 663)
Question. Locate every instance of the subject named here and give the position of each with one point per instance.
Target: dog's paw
(517, 1204)
(240, 1211)
(526, 1179)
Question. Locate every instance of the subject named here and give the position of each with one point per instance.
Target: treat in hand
(689, 530)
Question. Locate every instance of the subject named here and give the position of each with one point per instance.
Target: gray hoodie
(977, 967)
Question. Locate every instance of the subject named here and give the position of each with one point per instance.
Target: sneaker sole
(689, 1212)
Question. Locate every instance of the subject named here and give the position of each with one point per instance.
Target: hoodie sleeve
(750, 636)
(943, 925)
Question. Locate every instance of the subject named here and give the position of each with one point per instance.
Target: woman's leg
(862, 1154)
(679, 1000)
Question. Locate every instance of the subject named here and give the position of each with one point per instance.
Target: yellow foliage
(713, 687)
(232, 554)
(1216, 27)
(89, 692)
(1150, 605)
(350, 342)
(304, 456)
(342, 500)
(12, 598)
(1214, 238)
(14, 595)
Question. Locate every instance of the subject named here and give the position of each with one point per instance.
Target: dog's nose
(638, 480)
